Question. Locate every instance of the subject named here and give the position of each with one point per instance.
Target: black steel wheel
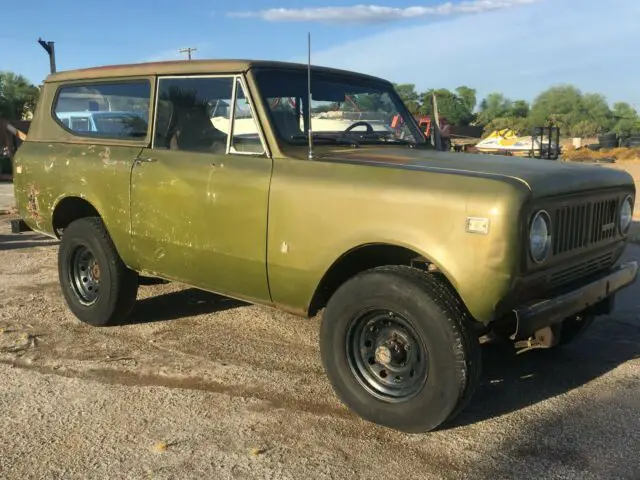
(84, 274)
(386, 355)
(399, 348)
(98, 288)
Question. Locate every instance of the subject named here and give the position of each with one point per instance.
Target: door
(199, 196)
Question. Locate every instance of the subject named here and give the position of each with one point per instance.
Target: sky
(518, 47)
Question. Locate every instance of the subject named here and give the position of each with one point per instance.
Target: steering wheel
(359, 124)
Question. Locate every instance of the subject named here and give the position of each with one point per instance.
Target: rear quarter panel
(47, 173)
(54, 164)
(320, 211)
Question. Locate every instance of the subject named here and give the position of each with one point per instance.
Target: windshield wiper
(337, 141)
(401, 141)
(387, 138)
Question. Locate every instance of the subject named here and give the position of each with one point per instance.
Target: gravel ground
(198, 386)
(6, 196)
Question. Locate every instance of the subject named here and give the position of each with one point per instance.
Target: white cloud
(377, 14)
(517, 51)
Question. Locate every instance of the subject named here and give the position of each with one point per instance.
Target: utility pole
(188, 51)
(50, 49)
(436, 123)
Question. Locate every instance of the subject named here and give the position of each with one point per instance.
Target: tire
(608, 140)
(444, 356)
(87, 249)
(633, 141)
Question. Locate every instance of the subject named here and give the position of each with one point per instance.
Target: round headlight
(626, 214)
(540, 237)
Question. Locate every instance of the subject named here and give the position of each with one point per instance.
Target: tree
(519, 109)
(468, 97)
(496, 105)
(450, 106)
(575, 113)
(585, 129)
(626, 119)
(596, 111)
(409, 95)
(407, 92)
(18, 97)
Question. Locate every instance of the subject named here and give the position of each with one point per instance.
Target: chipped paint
(33, 209)
(105, 156)
(50, 165)
(284, 247)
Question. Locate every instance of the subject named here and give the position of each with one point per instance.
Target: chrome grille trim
(582, 224)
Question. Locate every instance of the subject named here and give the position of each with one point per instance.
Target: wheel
(98, 288)
(399, 349)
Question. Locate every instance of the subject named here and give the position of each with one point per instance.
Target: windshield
(344, 109)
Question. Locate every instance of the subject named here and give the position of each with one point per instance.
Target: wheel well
(361, 259)
(70, 209)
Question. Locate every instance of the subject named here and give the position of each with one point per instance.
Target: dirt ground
(198, 386)
(7, 201)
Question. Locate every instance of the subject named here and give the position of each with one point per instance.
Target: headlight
(540, 237)
(626, 214)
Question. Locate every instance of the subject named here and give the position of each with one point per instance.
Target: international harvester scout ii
(203, 172)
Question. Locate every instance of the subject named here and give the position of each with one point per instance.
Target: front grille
(587, 223)
(576, 272)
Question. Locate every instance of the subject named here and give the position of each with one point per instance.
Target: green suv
(230, 177)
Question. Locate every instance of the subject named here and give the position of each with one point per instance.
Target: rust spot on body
(32, 203)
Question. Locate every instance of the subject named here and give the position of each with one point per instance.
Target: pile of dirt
(573, 154)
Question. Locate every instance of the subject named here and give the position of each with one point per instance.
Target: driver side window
(193, 114)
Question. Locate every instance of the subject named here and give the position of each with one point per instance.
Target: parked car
(411, 254)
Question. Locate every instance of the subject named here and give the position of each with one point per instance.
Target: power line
(188, 51)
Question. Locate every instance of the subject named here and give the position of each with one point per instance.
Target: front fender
(318, 212)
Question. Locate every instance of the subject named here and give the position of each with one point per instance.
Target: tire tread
(124, 282)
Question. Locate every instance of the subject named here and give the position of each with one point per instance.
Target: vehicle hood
(542, 177)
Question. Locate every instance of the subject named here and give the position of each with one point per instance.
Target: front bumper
(534, 317)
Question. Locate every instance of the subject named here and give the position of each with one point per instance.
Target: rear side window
(105, 110)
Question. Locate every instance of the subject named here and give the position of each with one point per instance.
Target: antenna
(309, 95)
